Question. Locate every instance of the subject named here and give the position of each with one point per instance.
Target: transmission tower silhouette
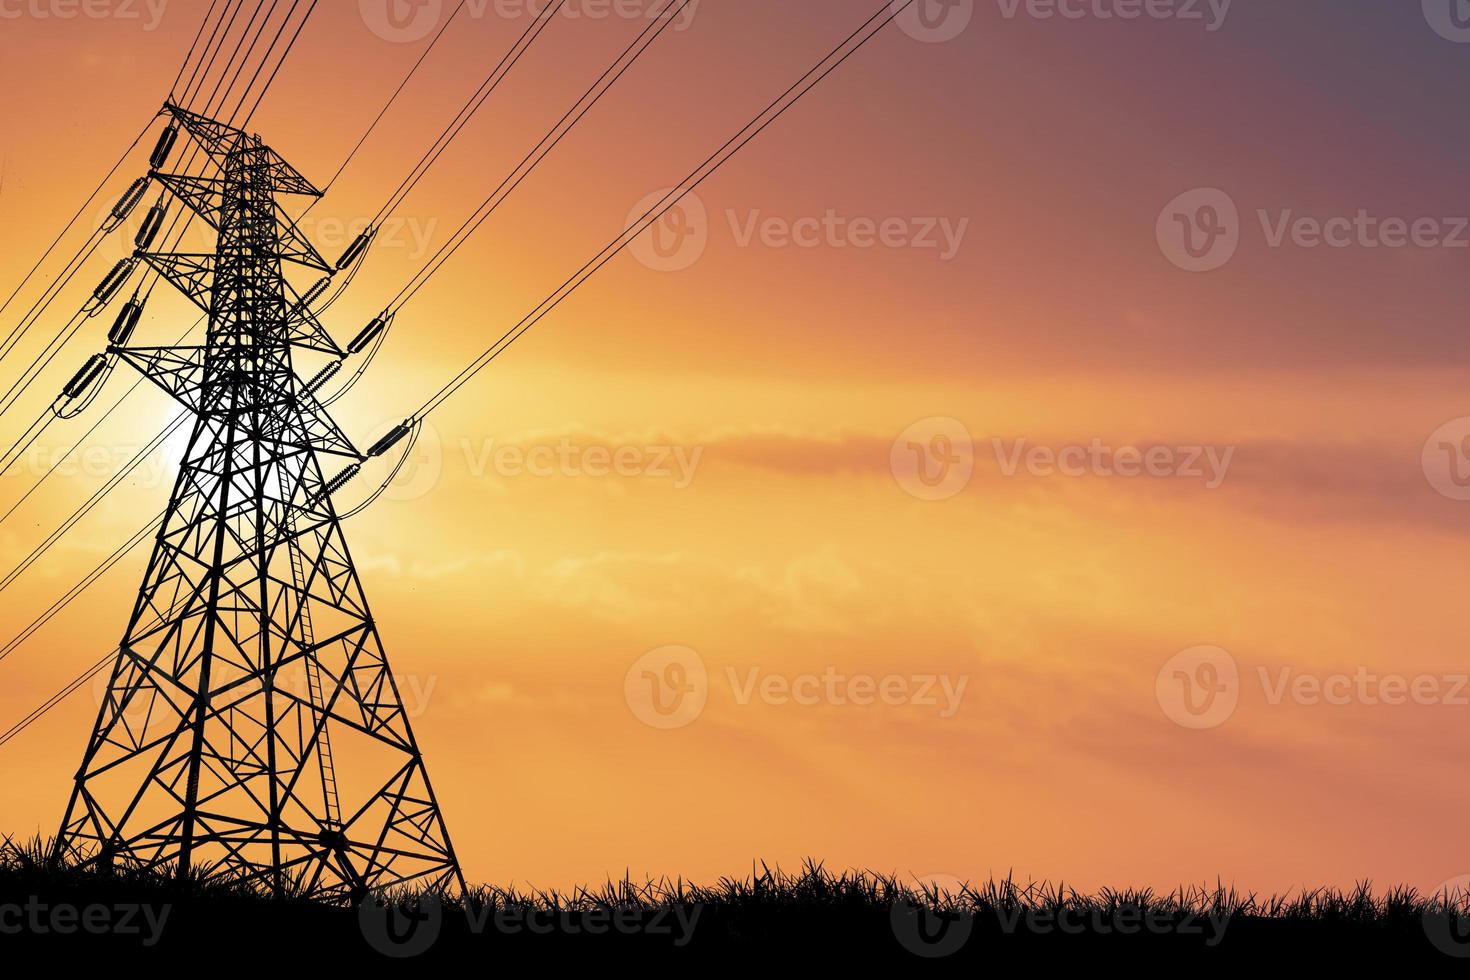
(251, 728)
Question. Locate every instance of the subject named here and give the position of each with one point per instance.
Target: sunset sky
(996, 268)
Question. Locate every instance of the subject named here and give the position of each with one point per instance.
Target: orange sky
(513, 605)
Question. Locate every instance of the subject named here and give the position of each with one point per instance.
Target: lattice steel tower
(250, 727)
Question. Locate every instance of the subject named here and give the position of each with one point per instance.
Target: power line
(469, 109)
(260, 33)
(86, 508)
(208, 15)
(74, 218)
(23, 444)
(549, 142)
(55, 466)
(71, 594)
(54, 347)
(214, 93)
(256, 444)
(116, 480)
(208, 56)
(506, 63)
(64, 278)
(712, 165)
(284, 55)
(116, 166)
(702, 173)
(71, 688)
(43, 303)
(35, 434)
(117, 555)
(394, 97)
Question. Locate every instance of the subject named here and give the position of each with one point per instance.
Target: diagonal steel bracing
(251, 727)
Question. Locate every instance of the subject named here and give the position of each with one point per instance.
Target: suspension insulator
(149, 231)
(315, 292)
(125, 204)
(109, 286)
(84, 378)
(393, 438)
(342, 479)
(368, 335)
(322, 377)
(163, 147)
(355, 250)
(126, 323)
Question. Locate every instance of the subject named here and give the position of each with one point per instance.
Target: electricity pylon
(251, 728)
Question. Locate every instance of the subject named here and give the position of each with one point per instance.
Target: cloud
(814, 593)
(496, 563)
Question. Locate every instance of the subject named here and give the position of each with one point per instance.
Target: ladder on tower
(313, 671)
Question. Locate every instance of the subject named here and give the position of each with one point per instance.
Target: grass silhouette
(812, 915)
